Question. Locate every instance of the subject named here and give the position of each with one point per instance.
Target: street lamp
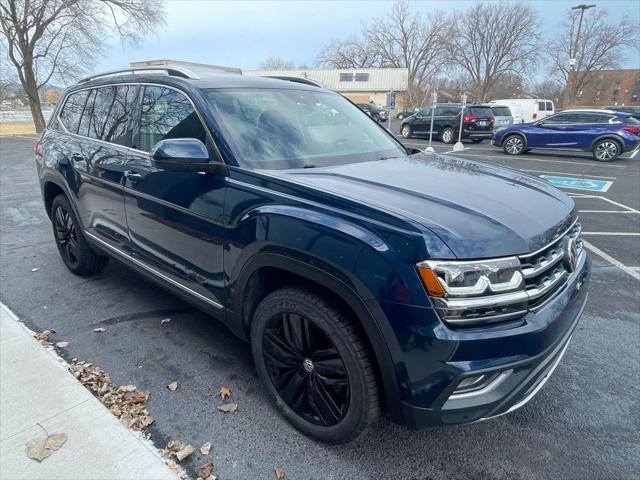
(573, 48)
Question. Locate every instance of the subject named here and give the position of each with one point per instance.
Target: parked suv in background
(477, 123)
(368, 278)
(605, 133)
(376, 112)
(633, 111)
(502, 116)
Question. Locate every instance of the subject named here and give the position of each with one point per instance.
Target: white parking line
(565, 173)
(608, 211)
(613, 202)
(618, 234)
(530, 159)
(612, 260)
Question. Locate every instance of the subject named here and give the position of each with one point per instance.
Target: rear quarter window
(481, 111)
(631, 121)
(72, 110)
(501, 111)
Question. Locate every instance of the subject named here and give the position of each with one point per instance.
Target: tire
(376, 117)
(76, 253)
(400, 116)
(606, 150)
(314, 365)
(477, 140)
(405, 131)
(447, 135)
(513, 145)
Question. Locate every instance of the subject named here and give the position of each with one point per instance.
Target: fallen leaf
(165, 320)
(204, 449)
(184, 453)
(279, 473)
(173, 467)
(62, 344)
(99, 329)
(205, 471)
(41, 448)
(228, 407)
(172, 386)
(35, 269)
(128, 388)
(224, 392)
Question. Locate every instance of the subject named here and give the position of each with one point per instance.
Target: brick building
(611, 87)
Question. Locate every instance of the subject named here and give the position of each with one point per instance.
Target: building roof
(378, 79)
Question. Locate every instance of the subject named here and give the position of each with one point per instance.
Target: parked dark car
(374, 111)
(605, 133)
(368, 278)
(633, 111)
(477, 123)
(408, 113)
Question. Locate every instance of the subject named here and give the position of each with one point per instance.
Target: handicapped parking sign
(579, 183)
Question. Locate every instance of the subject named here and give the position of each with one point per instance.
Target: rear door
(175, 218)
(478, 119)
(446, 116)
(99, 155)
(587, 127)
(554, 131)
(422, 121)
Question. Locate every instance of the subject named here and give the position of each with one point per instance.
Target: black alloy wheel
(314, 364)
(66, 235)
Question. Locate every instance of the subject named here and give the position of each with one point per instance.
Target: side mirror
(181, 154)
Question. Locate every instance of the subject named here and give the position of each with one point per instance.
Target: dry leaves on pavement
(41, 448)
(204, 473)
(178, 450)
(125, 402)
(62, 344)
(279, 473)
(172, 386)
(224, 393)
(43, 336)
(228, 407)
(204, 449)
(99, 329)
(35, 269)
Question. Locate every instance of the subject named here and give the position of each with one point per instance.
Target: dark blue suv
(605, 133)
(368, 278)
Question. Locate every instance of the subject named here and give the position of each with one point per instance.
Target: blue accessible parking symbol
(579, 183)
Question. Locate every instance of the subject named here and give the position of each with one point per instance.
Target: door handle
(77, 157)
(133, 177)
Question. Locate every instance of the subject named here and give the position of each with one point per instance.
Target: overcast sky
(243, 33)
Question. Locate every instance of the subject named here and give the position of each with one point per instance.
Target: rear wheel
(606, 150)
(400, 116)
(405, 131)
(513, 145)
(447, 135)
(314, 365)
(74, 249)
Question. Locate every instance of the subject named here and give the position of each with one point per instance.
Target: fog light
(474, 382)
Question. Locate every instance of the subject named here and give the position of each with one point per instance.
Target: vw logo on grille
(570, 257)
(308, 365)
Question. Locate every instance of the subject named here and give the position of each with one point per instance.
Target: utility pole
(573, 50)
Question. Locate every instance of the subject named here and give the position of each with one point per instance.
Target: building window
(346, 77)
(362, 77)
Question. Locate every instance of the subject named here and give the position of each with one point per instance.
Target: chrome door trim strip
(152, 270)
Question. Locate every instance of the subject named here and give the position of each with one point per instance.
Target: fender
(369, 315)
(60, 181)
(516, 132)
(612, 136)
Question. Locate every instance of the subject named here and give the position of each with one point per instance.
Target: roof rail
(304, 81)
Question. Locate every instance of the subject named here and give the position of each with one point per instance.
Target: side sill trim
(152, 270)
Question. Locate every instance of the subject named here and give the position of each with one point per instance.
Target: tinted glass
(562, 118)
(72, 110)
(631, 121)
(87, 115)
(362, 77)
(291, 128)
(600, 118)
(549, 106)
(425, 112)
(104, 98)
(346, 77)
(167, 113)
(118, 126)
(541, 107)
(501, 111)
(481, 111)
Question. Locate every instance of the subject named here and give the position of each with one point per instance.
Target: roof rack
(193, 71)
(304, 81)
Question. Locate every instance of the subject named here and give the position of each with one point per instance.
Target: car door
(553, 132)
(175, 218)
(586, 128)
(99, 154)
(422, 121)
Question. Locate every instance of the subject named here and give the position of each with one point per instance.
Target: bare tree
(600, 47)
(49, 40)
(493, 39)
(407, 40)
(277, 63)
(349, 53)
(548, 88)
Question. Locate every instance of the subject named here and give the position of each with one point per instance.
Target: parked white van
(526, 110)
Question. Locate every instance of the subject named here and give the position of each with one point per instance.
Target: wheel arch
(511, 134)
(266, 272)
(608, 136)
(52, 187)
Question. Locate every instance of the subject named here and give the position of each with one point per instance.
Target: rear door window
(118, 126)
(72, 110)
(87, 114)
(166, 113)
(542, 107)
(562, 118)
(549, 106)
(102, 103)
(482, 112)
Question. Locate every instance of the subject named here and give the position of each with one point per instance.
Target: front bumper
(518, 376)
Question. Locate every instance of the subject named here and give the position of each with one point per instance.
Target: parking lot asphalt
(583, 424)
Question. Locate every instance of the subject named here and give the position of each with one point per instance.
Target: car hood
(478, 210)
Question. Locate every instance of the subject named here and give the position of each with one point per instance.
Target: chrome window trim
(152, 270)
(135, 150)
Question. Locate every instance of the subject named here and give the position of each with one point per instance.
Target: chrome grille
(547, 270)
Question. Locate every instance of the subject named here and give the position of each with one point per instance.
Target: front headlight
(467, 293)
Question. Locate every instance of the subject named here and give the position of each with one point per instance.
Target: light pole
(573, 50)
(434, 101)
(459, 147)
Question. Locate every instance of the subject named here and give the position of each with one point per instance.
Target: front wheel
(513, 145)
(406, 131)
(606, 150)
(447, 135)
(400, 116)
(314, 365)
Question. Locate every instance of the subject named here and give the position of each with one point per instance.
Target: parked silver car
(502, 115)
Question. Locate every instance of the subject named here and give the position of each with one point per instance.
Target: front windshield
(289, 128)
